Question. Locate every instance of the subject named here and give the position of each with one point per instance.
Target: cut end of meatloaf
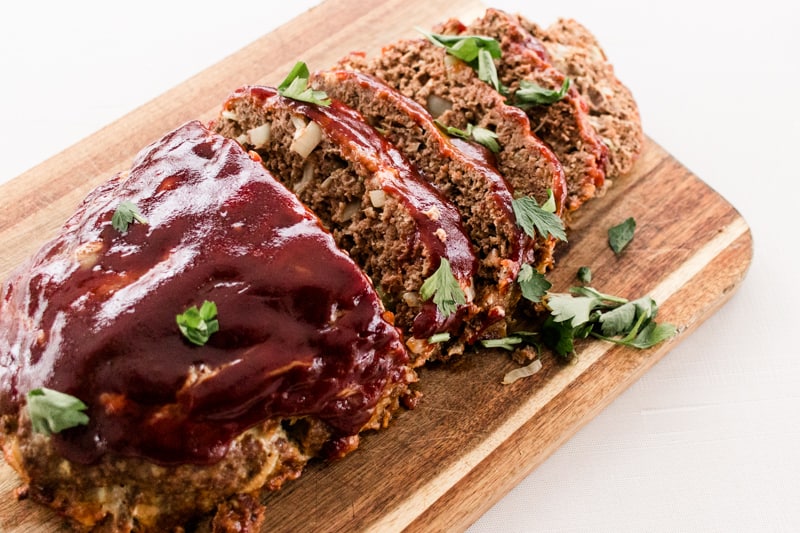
(463, 173)
(612, 110)
(303, 360)
(564, 125)
(394, 225)
(452, 93)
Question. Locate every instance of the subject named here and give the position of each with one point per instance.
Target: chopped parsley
(534, 219)
(482, 136)
(584, 275)
(621, 235)
(197, 325)
(295, 86)
(52, 411)
(531, 94)
(443, 287)
(532, 283)
(585, 311)
(124, 215)
(477, 51)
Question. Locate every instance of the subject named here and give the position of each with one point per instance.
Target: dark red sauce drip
(300, 327)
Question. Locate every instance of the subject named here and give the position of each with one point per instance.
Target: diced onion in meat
(437, 105)
(524, 372)
(259, 136)
(377, 198)
(350, 210)
(307, 140)
(230, 115)
(299, 124)
(305, 181)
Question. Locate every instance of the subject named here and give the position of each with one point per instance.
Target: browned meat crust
(612, 109)
(563, 125)
(463, 173)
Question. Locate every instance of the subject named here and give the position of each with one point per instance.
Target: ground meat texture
(463, 173)
(613, 112)
(564, 125)
(394, 225)
(454, 95)
(304, 360)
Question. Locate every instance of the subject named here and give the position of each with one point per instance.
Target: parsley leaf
(477, 51)
(621, 235)
(52, 411)
(443, 287)
(587, 311)
(584, 275)
(532, 283)
(197, 325)
(531, 94)
(295, 86)
(124, 215)
(532, 219)
(487, 138)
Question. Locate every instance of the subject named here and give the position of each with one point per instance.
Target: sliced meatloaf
(612, 110)
(183, 417)
(462, 173)
(563, 124)
(454, 95)
(396, 226)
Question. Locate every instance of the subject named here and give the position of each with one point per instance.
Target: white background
(708, 440)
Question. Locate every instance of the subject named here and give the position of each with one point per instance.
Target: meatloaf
(612, 110)
(301, 359)
(395, 226)
(563, 124)
(454, 95)
(463, 172)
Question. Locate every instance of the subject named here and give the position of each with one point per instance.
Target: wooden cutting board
(471, 439)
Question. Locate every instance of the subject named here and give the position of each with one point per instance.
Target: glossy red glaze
(300, 333)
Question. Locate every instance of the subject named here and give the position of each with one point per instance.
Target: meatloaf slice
(454, 95)
(397, 227)
(303, 358)
(461, 172)
(612, 110)
(564, 125)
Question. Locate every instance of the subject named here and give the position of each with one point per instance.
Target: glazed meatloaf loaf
(454, 95)
(564, 123)
(612, 110)
(462, 171)
(395, 226)
(175, 356)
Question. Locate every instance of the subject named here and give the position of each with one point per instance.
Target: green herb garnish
(534, 219)
(530, 94)
(506, 343)
(532, 283)
(197, 325)
(621, 235)
(295, 86)
(443, 287)
(586, 311)
(477, 51)
(482, 136)
(584, 275)
(124, 215)
(52, 411)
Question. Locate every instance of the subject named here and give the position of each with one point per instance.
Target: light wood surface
(471, 439)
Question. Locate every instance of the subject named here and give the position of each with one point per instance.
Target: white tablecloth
(708, 440)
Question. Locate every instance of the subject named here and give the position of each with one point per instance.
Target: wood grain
(471, 439)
